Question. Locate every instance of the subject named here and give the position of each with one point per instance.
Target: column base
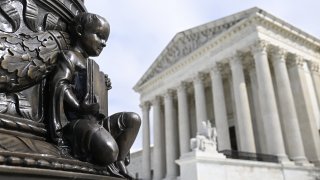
(171, 178)
(302, 161)
(316, 163)
(284, 160)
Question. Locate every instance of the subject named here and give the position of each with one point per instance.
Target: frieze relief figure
(53, 97)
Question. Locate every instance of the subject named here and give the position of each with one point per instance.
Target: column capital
(235, 60)
(156, 101)
(260, 46)
(296, 61)
(251, 66)
(314, 66)
(278, 54)
(168, 93)
(217, 68)
(236, 55)
(198, 78)
(145, 106)
(182, 86)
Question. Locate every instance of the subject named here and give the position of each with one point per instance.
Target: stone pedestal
(206, 166)
(193, 165)
(206, 163)
(17, 173)
(197, 165)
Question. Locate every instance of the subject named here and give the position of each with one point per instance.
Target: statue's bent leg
(103, 147)
(124, 127)
(92, 142)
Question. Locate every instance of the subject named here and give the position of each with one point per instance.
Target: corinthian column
(146, 160)
(220, 111)
(288, 110)
(305, 110)
(268, 104)
(200, 98)
(260, 132)
(171, 138)
(315, 73)
(184, 124)
(158, 151)
(242, 106)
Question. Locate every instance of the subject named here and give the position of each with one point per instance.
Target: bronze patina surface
(54, 99)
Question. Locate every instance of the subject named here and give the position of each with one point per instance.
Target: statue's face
(94, 38)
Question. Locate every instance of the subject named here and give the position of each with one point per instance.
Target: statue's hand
(107, 82)
(89, 108)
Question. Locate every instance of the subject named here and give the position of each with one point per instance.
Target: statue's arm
(67, 69)
(83, 107)
(70, 99)
(62, 80)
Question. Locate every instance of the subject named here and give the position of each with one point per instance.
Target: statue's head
(91, 32)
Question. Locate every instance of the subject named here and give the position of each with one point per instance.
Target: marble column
(184, 124)
(312, 92)
(261, 134)
(158, 154)
(269, 110)
(290, 123)
(315, 73)
(220, 112)
(303, 102)
(234, 112)
(242, 106)
(171, 139)
(200, 99)
(146, 159)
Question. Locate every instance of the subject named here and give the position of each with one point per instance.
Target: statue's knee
(106, 155)
(104, 151)
(112, 154)
(134, 119)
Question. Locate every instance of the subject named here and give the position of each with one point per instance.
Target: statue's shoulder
(74, 58)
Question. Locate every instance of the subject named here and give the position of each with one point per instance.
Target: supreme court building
(256, 78)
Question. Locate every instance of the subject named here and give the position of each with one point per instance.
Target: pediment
(186, 42)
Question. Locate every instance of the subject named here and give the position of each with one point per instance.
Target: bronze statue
(76, 120)
(53, 97)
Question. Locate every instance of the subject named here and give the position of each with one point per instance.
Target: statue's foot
(63, 148)
(114, 171)
(123, 169)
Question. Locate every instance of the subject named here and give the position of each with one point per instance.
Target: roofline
(253, 10)
(211, 23)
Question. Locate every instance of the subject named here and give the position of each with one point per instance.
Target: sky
(141, 29)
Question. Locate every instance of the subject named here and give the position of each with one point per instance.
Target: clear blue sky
(141, 29)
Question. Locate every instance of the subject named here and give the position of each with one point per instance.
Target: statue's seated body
(53, 100)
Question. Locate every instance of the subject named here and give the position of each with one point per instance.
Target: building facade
(253, 76)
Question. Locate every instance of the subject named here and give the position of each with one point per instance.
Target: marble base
(203, 166)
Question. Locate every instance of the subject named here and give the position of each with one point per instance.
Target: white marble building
(255, 78)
